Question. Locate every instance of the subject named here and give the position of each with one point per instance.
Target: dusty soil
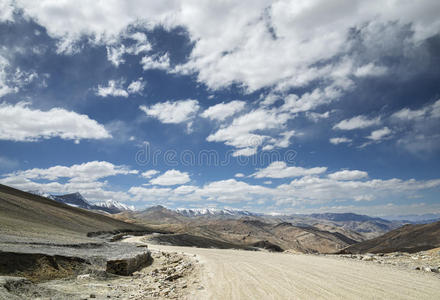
(197, 273)
(236, 274)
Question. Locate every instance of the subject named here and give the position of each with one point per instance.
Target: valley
(51, 248)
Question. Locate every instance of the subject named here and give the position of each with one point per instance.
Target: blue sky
(270, 106)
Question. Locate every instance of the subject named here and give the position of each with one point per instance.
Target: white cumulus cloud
(172, 112)
(348, 175)
(340, 140)
(279, 169)
(223, 110)
(156, 62)
(20, 122)
(171, 177)
(149, 173)
(380, 134)
(115, 88)
(358, 122)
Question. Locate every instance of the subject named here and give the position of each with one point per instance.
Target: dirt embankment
(40, 267)
(170, 276)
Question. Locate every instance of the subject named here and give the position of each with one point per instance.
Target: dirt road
(233, 274)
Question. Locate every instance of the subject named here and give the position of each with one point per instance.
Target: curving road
(234, 274)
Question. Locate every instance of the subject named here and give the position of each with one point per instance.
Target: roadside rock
(427, 261)
(128, 265)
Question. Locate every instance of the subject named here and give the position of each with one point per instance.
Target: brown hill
(247, 231)
(408, 238)
(306, 239)
(25, 215)
(159, 215)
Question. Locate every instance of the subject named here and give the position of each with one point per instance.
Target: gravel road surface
(235, 274)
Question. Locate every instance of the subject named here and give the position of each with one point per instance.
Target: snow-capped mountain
(77, 200)
(213, 212)
(74, 199)
(115, 206)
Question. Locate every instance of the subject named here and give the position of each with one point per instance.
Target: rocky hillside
(368, 227)
(408, 238)
(24, 214)
(249, 231)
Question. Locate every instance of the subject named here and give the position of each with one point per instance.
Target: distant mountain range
(114, 207)
(213, 212)
(77, 200)
(344, 217)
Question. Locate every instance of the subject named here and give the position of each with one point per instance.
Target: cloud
(380, 134)
(348, 175)
(370, 70)
(136, 87)
(12, 80)
(83, 178)
(149, 173)
(171, 177)
(282, 142)
(185, 189)
(21, 123)
(239, 175)
(83, 172)
(279, 169)
(310, 100)
(6, 11)
(312, 189)
(303, 191)
(230, 190)
(420, 135)
(115, 88)
(339, 140)
(152, 194)
(115, 55)
(240, 133)
(248, 151)
(364, 198)
(266, 126)
(172, 112)
(315, 117)
(358, 122)
(223, 110)
(4, 86)
(429, 111)
(239, 47)
(117, 51)
(156, 62)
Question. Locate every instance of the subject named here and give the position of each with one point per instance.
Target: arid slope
(26, 215)
(408, 238)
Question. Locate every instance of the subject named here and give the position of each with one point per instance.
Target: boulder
(128, 265)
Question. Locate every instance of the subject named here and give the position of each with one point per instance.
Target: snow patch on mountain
(196, 212)
(112, 204)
